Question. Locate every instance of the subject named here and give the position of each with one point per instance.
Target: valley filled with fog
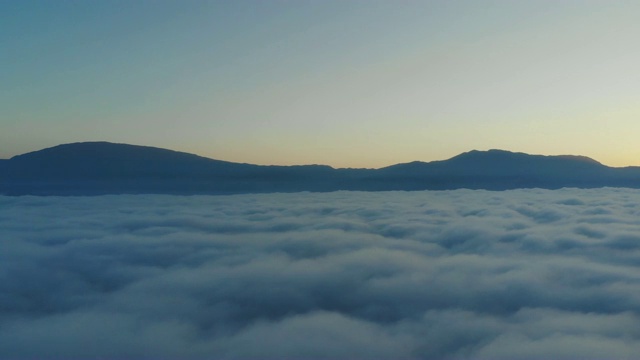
(429, 274)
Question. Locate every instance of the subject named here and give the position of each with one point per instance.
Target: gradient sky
(345, 83)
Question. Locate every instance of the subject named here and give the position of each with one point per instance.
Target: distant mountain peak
(496, 154)
(98, 148)
(490, 152)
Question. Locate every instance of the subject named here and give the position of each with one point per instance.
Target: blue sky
(343, 83)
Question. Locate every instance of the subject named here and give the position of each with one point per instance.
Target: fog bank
(458, 274)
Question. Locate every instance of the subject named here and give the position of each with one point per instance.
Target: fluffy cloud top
(455, 274)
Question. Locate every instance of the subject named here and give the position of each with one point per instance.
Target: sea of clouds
(458, 274)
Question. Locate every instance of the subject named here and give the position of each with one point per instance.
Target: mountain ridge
(100, 167)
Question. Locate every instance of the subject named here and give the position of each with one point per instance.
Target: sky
(343, 83)
(463, 274)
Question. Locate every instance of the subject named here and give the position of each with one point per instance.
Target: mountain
(500, 170)
(103, 160)
(103, 168)
(93, 168)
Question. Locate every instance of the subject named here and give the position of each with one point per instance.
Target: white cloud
(453, 274)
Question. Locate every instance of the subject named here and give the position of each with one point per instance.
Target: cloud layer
(453, 274)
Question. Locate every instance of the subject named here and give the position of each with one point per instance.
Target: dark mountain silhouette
(93, 168)
(499, 170)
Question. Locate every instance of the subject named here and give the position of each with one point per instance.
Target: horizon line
(320, 164)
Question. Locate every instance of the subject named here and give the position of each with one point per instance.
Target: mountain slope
(499, 170)
(100, 160)
(103, 168)
(92, 168)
